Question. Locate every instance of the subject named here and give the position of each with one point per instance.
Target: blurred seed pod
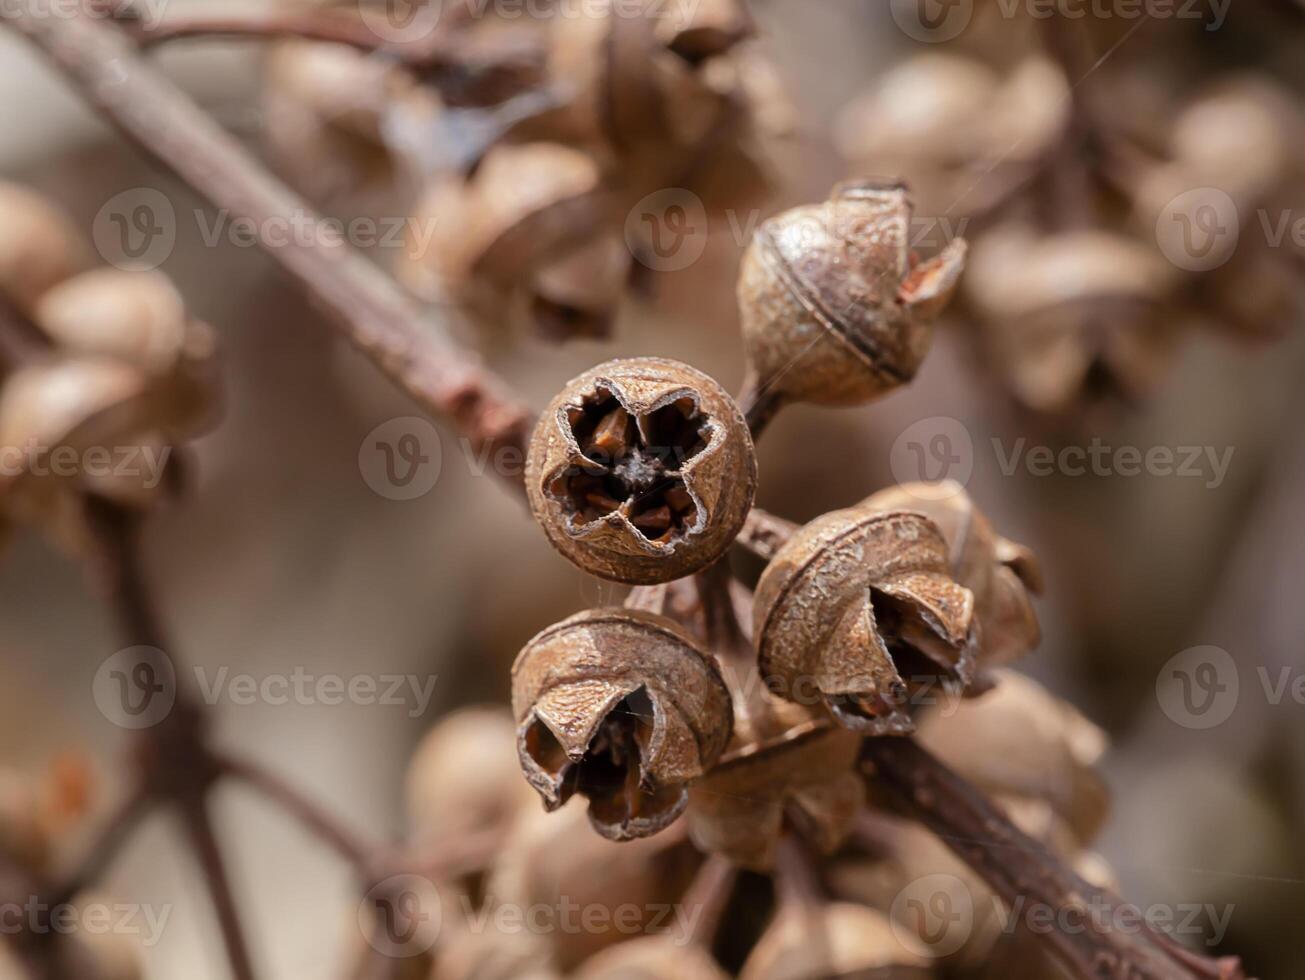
(578, 295)
(39, 246)
(463, 779)
(492, 954)
(621, 707)
(1244, 135)
(629, 84)
(641, 470)
(948, 120)
(24, 838)
(330, 113)
(652, 958)
(528, 218)
(859, 611)
(1073, 315)
(999, 572)
(1019, 741)
(557, 855)
(834, 940)
(834, 311)
(789, 762)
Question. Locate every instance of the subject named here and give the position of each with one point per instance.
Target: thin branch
(106, 846)
(764, 534)
(308, 812)
(411, 346)
(1024, 873)
(199, 827)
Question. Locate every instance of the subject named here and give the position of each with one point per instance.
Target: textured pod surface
(641, 471)
(833, 311)
(999, 572)
(621, 707)
(859, 611)
(834, 940)
(652, 958)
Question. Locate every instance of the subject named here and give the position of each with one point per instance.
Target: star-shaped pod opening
(633, 466)
(612, 768)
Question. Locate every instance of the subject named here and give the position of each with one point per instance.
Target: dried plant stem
(377, 316)
(317, 819)
(1023, 872)
(760, 403)
(199, 827)
(764, 534)
(709, 895)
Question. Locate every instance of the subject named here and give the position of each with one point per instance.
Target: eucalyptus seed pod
(999, 572)
(859, 611)
(652, 958)
(711, 28)
(628, 92)
(332, 116)
(621, 707)
(641, 471)
(554, 856)
(833, 310)
(832, 940)
(578, 295)
(1073, 315)
(463, 779)
(1018, 741)
(39, 245)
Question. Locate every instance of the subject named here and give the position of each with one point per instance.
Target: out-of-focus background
(284, 557)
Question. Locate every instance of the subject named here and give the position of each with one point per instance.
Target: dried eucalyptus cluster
(531, 226)
(1104, 225)
(105, 372)
(36, 814)
(746, 712)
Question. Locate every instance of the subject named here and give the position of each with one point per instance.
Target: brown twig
(764, 534)
(199, 827)
(1024, 873)
(316, 818)
(374, 313)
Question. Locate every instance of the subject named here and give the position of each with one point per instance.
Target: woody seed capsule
(641, 471)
